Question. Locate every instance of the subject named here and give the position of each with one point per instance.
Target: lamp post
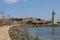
(2, 13)
(9, 20)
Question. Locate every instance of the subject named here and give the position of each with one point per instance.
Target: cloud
(13, 1)
(10, 1)
(24, 0)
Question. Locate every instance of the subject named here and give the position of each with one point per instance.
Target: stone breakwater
(19, 33)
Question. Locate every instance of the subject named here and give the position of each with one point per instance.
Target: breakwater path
(4, 35)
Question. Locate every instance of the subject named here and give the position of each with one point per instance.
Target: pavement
(4, 35)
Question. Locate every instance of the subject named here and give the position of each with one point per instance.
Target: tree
(29, 22)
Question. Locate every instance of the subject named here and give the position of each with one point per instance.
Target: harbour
(45, 33)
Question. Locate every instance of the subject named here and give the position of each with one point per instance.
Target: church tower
(54, 21)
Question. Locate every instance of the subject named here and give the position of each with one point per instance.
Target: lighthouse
(54, 21)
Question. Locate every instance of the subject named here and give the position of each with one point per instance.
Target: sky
(30, 8)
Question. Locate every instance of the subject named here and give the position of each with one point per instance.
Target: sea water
(45, 33)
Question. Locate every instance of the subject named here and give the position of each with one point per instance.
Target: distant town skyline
(30, 8)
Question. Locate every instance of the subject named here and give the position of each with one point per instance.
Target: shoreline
(43, 25)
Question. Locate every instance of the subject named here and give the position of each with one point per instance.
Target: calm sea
(45, 33)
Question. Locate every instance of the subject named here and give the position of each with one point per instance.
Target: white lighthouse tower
(54, 21)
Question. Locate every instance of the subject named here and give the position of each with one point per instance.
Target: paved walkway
(4, 35)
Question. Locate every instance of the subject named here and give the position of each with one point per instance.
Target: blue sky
(30, 8)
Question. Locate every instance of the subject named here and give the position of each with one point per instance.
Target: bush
(29, 22)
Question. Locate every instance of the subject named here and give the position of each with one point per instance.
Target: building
(54, 21)
(9, 21)
(4, 21)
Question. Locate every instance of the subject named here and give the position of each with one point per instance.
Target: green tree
(29, 22)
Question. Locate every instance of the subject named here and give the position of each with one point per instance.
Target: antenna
(2, 12)
(8, 16)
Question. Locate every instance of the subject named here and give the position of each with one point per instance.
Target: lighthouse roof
(53, 12)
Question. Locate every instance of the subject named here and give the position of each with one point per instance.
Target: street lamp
(2, 13)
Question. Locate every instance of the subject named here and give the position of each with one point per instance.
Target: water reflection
(45, 33)
(53, 33)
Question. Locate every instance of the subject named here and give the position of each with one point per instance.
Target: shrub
(29, 22)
